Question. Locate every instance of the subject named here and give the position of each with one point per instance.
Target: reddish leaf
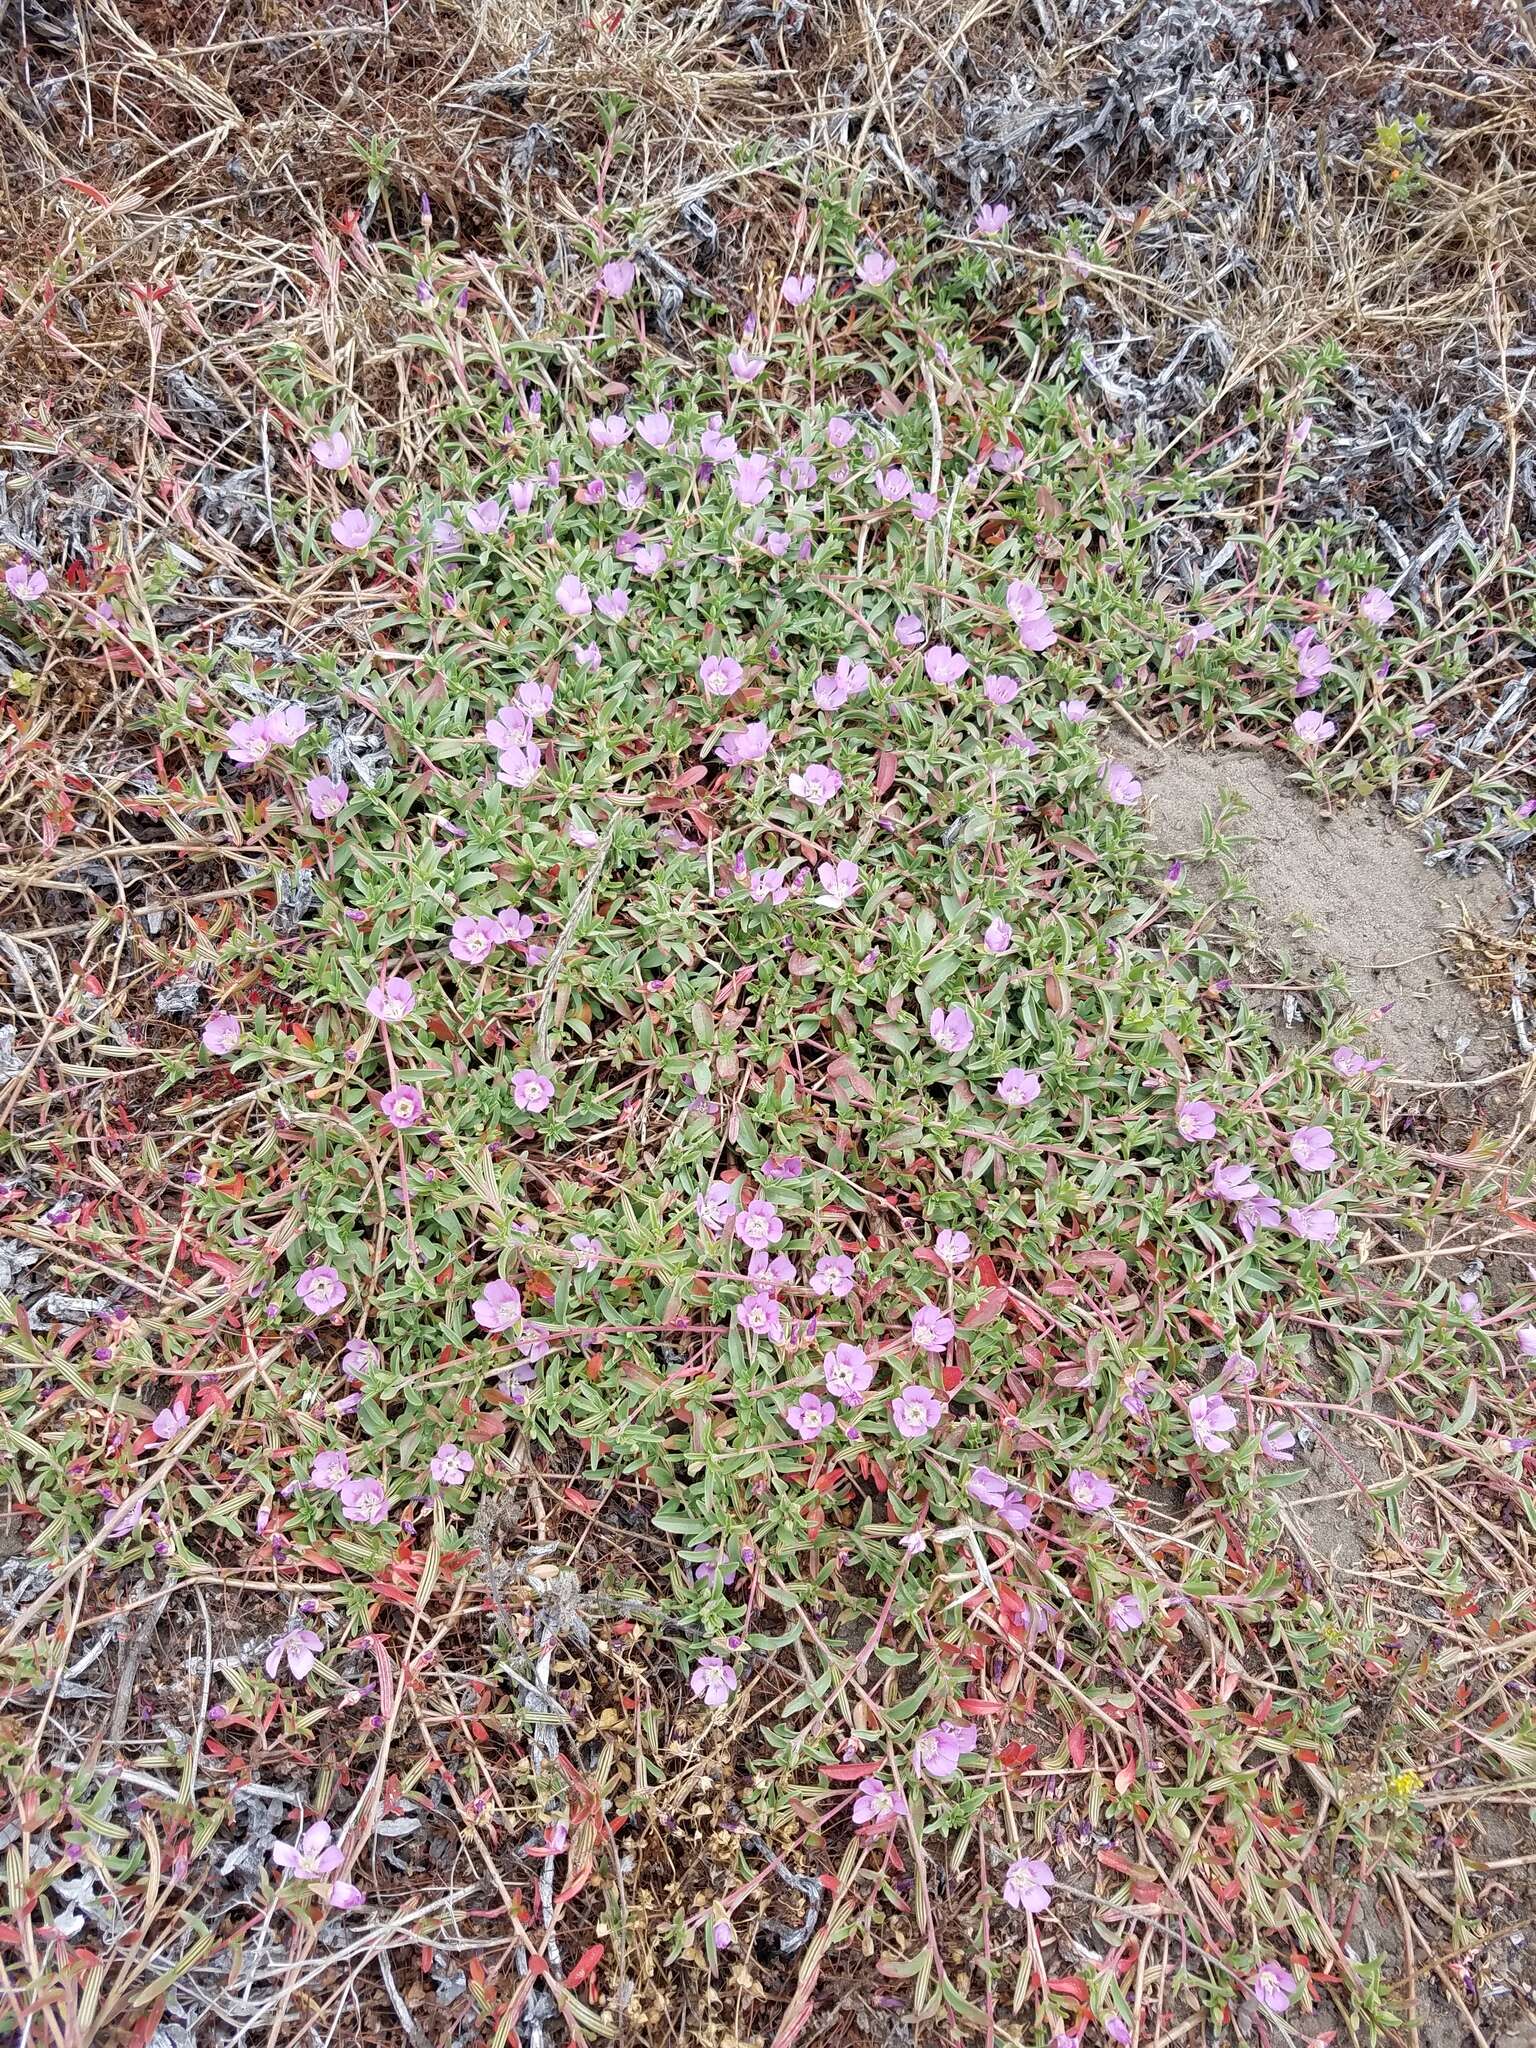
(987, 1310)
(1077, 1744)
(584, 1965)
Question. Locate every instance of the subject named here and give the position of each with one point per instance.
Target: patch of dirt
(1348, 893)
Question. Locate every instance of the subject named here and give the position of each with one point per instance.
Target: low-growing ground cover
(755, 1321)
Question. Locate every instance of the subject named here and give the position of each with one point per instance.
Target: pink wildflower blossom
(819, 784)
(877, 1805)
(944, 664)
(833, 1275)
(951, 1030)
(1312, 1148)
(1089, 1493)
(392, 1001)
(809, 1416)
(720, 676)
(450, 1465)
(403, 1107)
(932, 1329)
(1018, 1088)
(713, 1681)
(992, 218)
(1212, 1420)
(1027, 1885)
(354, 528)
(1120, 785)
(221, 1033)
(299, 1648)
(573, 597)
(874, 268)
(848, 1373)
(938, 1750)
(330, 451)
(761, 1316)
(1273, 1987)
(364, 1501)
(321, 1289)
(532, 1091)
(915, 1411)
(498, 1306)
(1196, 1121)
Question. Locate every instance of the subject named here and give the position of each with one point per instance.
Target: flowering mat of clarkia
(715, 1100)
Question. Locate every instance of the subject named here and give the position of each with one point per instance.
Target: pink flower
(1018, 1088)
(877, 1806)
(326, 795)
(753, 479)
(720, 676)
(1232, 1181)
(330, 451)
(345, 1897)
(170, 1422)
(248, 740)
(943, 664)
(511, 726)
(874, 268)
(797, 290)
(572, 597)
(450, 1466)
(932, 1329)
(1352, 1064)
(353, 528)
(532, 1091)
(1376, 607)
(759, 1224)
(1312, 1148)
(1089, 1493)
(998, 936)
(486, 518)
(714, 445)
(761, 1316)
(834, 1275)
(402, 1107)
(839, 882)
(330, 1471)
(613, 604)
(518, 766)
(909, 630)
(654, 429)
(616, 277)
(915, 1411)
(1314, 1222)
(312, 1857)
(522, 491)
(1126, 1614)
(1120, 785)
(298, 1648)
(360, 1356)
(1027, 1885)
(771, 1269)
(610, 431)
(221, 1033)
(321, 1289)
(1211, 1421)
(953, 1247)
(713, 1681)
(768, 885)
(817, 786)
(848, 679)
(1312, 728)
(1313, 661)
(474, 939)
(1259, 1212)
(392, 1001)
(848, 1373)
(840, 431)
(1077, 711)
(1000, 690)
(951, 1030)
(892, 484)
(938, 1750)
(498, 1306)
(25, 583)
(1196, 1121)
(809, 1416)
(1277, 1443)
(737, 749)
(1031, 618)
(1273, 1987)
(992, 219)
(1004, 1499)
(715, 1205)
(363, 1500)
(744, 365)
